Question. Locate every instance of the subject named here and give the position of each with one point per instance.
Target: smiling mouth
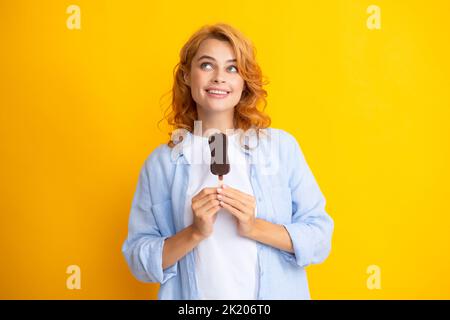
(218, 92)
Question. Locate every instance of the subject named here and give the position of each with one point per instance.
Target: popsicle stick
(220, 181)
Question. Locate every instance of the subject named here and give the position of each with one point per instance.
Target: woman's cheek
(237, 96)
(239, 93)
(238, 87)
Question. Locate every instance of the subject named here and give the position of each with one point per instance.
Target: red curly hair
(246, 116)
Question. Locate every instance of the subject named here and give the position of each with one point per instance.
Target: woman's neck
(223, 122)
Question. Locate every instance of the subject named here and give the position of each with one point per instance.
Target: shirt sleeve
(144, 245)
(311, 228)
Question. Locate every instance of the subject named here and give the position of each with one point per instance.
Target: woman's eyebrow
(211, 58)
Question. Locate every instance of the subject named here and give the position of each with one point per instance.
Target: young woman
(250, 235)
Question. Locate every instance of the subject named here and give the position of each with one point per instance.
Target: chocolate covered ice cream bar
(219, 157)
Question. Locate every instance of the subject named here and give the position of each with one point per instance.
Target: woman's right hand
(204, 207)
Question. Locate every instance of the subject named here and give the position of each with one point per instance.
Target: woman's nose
(219, 77)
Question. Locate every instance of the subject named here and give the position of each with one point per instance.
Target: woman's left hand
(241, 205)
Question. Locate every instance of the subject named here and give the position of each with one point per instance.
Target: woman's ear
(186, 78)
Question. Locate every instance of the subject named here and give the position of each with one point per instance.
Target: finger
(235, 192)
(203, 210)
(233, 210)
(201, 202)
(203, 193)
(213, 210)
(235, 203)
(248, 201)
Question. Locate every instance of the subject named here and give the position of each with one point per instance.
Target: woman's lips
(217, 94)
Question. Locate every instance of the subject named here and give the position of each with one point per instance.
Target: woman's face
(214, 79)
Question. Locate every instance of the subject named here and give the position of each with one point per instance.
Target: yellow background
(79, 112)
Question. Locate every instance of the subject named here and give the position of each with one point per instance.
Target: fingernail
(219, 190)
(219, 196)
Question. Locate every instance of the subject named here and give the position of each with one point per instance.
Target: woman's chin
(217, 107)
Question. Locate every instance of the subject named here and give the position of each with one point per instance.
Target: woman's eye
(206, 65)
(232, 69)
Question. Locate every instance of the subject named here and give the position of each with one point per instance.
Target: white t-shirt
(226, 263)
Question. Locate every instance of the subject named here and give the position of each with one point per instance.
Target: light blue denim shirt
(286, 193)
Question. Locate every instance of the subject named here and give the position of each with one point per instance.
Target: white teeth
(217, 91)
